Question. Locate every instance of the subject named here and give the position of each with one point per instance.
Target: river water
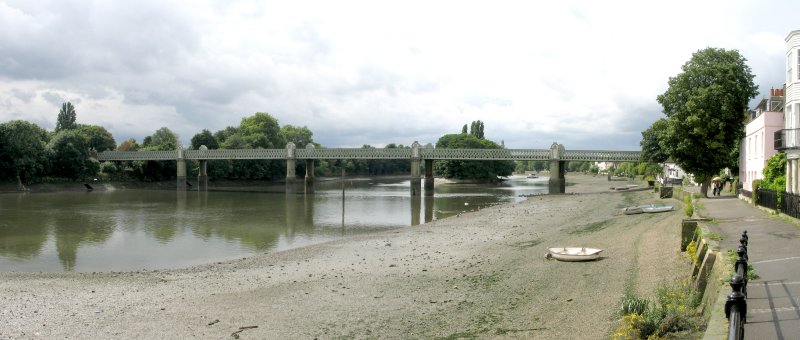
(125, 230)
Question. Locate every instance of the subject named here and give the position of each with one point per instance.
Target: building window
(789, 67)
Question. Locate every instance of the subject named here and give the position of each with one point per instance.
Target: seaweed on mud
(527, 244)
(588, 228)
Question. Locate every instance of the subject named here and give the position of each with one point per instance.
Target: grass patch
(672, 314)
(751, 272)
(714, 236)
(589, 228)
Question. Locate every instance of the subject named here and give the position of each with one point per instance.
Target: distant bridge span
(557, 155)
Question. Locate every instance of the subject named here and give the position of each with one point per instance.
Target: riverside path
(773, 310)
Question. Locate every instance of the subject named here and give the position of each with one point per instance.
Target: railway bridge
(557, 156)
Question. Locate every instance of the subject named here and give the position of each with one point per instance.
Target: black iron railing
(736, 303)
(783, 202)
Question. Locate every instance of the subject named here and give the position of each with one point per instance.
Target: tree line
(31, 154)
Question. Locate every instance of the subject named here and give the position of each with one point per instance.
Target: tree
(704, 105)
(22, 151)
(69, 156)
(204, 138)
(482, 170)
(652, 150)
(261, 131)
(161, 140)
(97, 137)
(775, 173)
(464, 129)
(66, 117)
(476, 129)
(300, 136)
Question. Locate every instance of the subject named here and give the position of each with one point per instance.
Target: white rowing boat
(647, 208)
(573, 254)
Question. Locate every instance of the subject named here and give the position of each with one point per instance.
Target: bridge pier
(309, 176)
(202, 176)
(557, 183)
(291, 175)
(428, 177)
(181, 182)
(416, 158)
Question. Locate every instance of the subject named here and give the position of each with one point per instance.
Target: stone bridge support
(202, 176)
(181, 183)
(429, 177)
(557, 184)
(309, 172)
(291, 175)
(416, 159)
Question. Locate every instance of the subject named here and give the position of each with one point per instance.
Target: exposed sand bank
(479, 274)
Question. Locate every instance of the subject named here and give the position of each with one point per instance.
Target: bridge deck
(361, 153)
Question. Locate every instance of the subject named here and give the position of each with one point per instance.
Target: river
(127, 230)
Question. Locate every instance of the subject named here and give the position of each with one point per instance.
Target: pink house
(758, 145)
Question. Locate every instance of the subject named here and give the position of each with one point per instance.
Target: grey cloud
(64, 39)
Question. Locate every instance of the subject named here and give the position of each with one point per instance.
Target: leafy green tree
(704, 106)
(23, 153)
(481, 170)
(464, 129)
(204, 138)
(300, 136)
(97, 137)
(69, 156)
(476, 129)
(161, 140)
(652, 150)
(261, 131)
(128, 145)
(66, 117)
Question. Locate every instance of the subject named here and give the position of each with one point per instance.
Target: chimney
(772, 92)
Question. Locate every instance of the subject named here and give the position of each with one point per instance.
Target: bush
(688, 207)
(672, 313)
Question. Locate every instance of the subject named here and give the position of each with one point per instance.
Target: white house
(788, 139)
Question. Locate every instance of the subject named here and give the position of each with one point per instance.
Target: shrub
(688, 207)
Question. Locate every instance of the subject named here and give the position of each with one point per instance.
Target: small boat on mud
(573, 254)
(533, 176)
(647, 208)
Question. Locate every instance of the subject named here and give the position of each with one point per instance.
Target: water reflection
(137, 229)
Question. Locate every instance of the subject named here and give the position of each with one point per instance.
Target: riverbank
(481, 274)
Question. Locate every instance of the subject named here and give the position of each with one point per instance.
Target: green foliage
(672, 314)
(69, 156)
(775, 173)
(688, 207)
(300, 136)
(652, 149)
(161, 140)
(757, 183)
(22, 151)
(751, 272)
(261, 131)
(476, 129)
(66, 117)
(691, 250)
(482, 170)
(704, 105)
(97, 137)
(632, 304)
(204, 138)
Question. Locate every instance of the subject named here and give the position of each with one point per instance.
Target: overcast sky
(583, 73)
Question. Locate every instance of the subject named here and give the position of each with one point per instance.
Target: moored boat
(652, 208)
(632, 210)
(573, 254)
